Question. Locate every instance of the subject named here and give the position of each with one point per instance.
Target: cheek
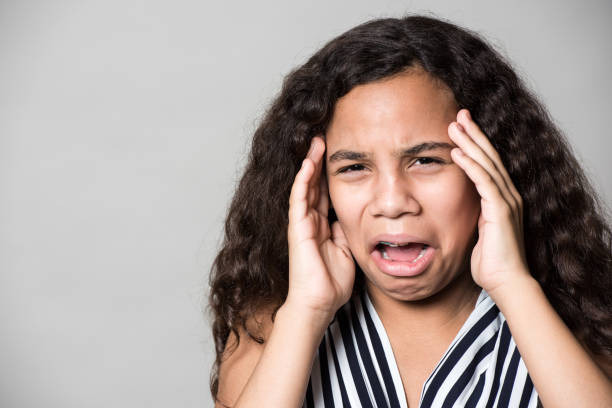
(348, 206)
(456, 208)
(340, 202)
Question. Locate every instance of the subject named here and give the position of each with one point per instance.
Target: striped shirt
(354, 366)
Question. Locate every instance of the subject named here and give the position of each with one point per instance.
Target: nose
(394, 197)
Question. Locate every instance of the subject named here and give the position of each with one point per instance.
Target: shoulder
(241, 356)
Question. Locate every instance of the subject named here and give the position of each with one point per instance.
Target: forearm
(562, 372)
(281, 375)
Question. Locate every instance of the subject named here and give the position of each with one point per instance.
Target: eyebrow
(411, 151)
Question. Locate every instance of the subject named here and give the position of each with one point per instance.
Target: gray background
(124, 126)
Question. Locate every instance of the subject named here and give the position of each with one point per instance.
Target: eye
(351, 169)
(428, 160)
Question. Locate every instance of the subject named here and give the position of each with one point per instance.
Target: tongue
(406, 253)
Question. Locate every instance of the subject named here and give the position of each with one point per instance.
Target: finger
(474, 131)
(322, 204)
(486, 186)
(316, 154)
(298, 198)
(464, 117)
(476, 153)
(472, 149)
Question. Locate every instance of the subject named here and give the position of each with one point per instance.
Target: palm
(497, 240)
(321, 268)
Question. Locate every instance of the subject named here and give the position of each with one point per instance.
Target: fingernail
(467, 112)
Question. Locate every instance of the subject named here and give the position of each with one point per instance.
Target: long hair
(567, 231)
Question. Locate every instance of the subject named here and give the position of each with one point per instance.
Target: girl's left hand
(498, 257)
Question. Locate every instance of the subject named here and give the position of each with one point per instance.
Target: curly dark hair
(567, 230)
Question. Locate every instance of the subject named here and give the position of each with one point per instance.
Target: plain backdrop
(124, 126)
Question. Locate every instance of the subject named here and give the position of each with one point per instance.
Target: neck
(439, 316)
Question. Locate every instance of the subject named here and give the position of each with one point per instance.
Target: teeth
(421, 254)
(391, 244)
(385, 256)
(384, 253)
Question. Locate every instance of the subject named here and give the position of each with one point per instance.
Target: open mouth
(409, 252)
(403, 259)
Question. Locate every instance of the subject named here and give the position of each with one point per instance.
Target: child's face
(377, 188)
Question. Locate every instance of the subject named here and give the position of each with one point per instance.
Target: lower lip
(400, 268)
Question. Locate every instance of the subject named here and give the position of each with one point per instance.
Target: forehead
(401, 109)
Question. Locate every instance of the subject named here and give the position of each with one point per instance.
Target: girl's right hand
(321, 267)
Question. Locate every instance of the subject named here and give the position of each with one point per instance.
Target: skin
(397, 194)
(383, 191)
(426, 194)
(377, 188)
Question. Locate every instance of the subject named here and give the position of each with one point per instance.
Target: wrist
(316, 320)
(516, 290)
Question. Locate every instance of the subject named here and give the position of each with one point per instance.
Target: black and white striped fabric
(355, 367)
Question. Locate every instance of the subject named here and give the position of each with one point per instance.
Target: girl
(411, 229)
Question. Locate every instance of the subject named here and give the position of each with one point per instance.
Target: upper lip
(400, 239)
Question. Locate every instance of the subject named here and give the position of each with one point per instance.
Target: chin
(410, 289)
(412, 294)
(402, 289)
